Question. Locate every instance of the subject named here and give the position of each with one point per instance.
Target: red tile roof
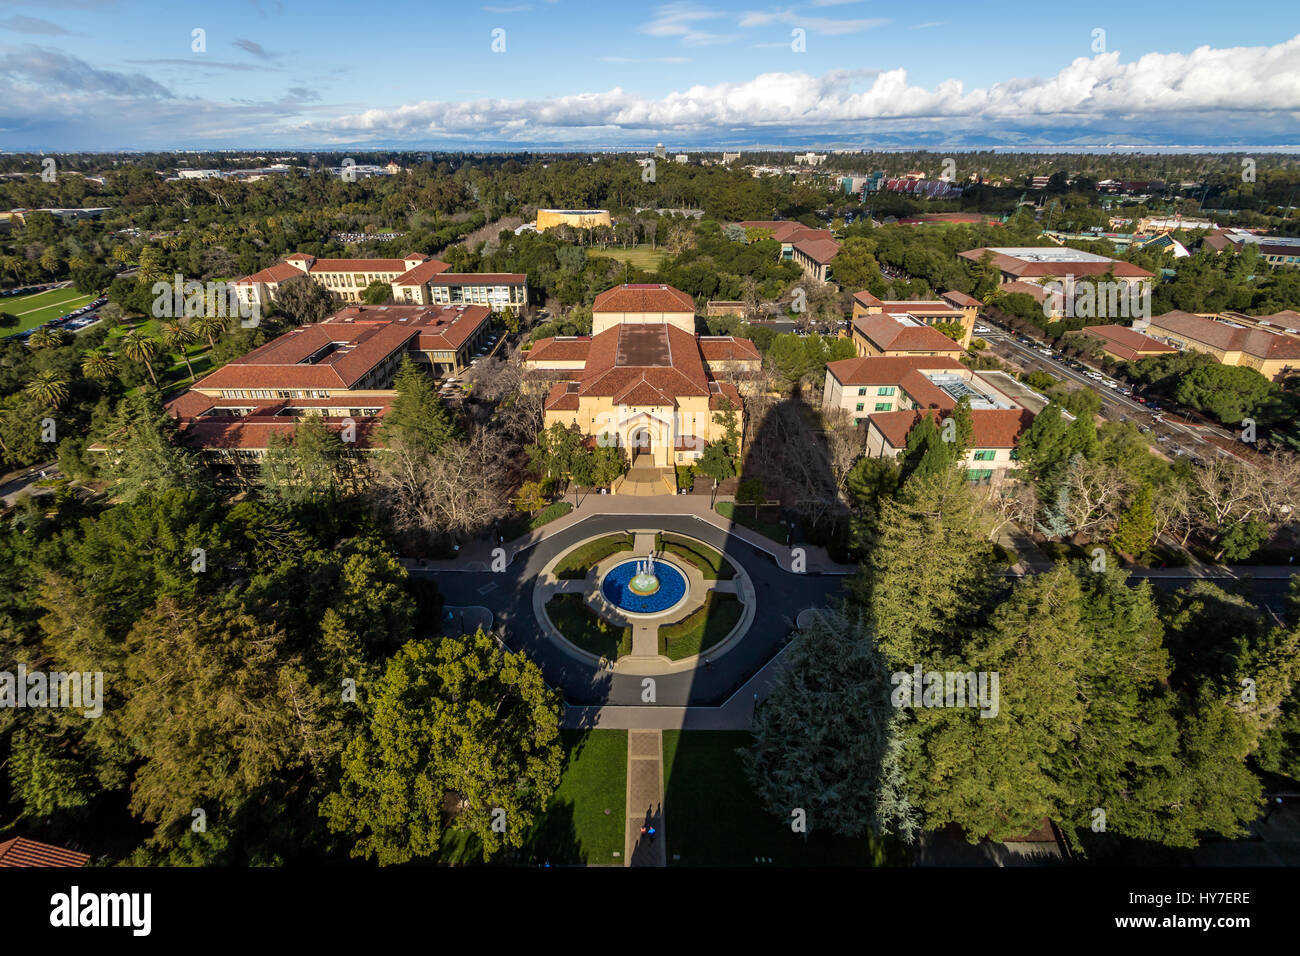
(643, 298)
(422, 273)
(280, 272)
(890, 335)
(820, 251)
(1260, 343)
(664, 355)
(398, 266)
(1035, 270)
(1025, 288)
(991, 428)
(1127, 344)
(728, 348)
(254, 432)
(563, 397)
(20, 851)
(362, 337)
(961, 299)
(569, 349)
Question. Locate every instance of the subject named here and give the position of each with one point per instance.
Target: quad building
(415, 279)
(644, 379)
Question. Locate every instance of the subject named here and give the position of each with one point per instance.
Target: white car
(982, 330)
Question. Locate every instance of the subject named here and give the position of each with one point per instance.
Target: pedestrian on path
(708, 664)
(651, 833)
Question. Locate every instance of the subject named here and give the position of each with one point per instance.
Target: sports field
(641, 256)
(33, 310)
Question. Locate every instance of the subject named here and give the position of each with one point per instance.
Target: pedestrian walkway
(645, 800)
(735, 713)
(477, 555)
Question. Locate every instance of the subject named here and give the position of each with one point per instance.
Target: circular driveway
(779, 596)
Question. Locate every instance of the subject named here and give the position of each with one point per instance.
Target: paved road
(781, 595)
(15, 484)
(1184, 438)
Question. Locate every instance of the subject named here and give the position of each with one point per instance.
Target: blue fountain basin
(672, 588)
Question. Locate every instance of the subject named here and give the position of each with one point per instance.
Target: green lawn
(703, 628)
(711, 563)
(744, 515)
(641, 256)
(585, 818)
(587, 629)
(40, 307)
(167, 365)
(713, 818)
(578, 562)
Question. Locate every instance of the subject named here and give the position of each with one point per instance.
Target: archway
(639, 443)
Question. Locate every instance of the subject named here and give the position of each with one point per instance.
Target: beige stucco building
(577, 218)
(643, 379)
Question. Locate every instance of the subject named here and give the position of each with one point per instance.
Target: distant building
(900, 334)
(890, 394)
(1275, 250)
(1268, 344)
(661, 151)
(577, 218)
(953, 308)
(415, 279)
(814, 256)
(681, 158)
(1038, 264)
(809, 159)
(198, 173)
(1124, 344)
(730, 157)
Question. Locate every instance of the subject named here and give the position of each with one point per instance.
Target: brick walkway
(645, 799)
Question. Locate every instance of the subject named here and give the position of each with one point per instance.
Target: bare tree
(1096, 494)
(844, 444)
(470, 484)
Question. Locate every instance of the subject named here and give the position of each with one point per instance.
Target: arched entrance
(639, 443)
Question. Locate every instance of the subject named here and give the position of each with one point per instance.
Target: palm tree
(178, 337)
(99, 366)
(140, 348)
(45, 338)
(49, 388)
(209, 327)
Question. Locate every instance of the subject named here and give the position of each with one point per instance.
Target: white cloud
(1238, 80)
(680, 21)
(822, 25)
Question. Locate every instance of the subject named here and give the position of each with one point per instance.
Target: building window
(979, 474)
(859, 407)
(884, 406)
(862, 391)
(985, 454)
(885, 390)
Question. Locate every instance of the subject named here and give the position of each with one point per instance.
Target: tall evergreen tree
(827, 736)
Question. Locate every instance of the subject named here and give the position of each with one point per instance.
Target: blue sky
(109, 74)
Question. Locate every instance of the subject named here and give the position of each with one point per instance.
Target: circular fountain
(644, 586)
(644, 582)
